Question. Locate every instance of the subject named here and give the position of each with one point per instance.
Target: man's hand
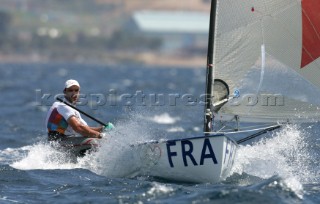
(109, 127)
(101, 135)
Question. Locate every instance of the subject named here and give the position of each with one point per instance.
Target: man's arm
(84, 130)
(98, 129)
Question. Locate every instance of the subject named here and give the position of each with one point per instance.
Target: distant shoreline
(145, 59)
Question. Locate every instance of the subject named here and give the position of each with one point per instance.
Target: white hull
(199, 159)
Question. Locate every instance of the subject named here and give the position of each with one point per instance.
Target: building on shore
(183, 31)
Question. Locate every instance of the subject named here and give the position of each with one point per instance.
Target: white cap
(71, 82)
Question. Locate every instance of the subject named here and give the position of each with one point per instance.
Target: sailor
(64, 122)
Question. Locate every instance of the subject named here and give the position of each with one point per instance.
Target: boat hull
(199, 159)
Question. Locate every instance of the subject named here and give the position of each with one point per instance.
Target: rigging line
(264, 131)
(248, 127)
(224, 124)
(244, 131)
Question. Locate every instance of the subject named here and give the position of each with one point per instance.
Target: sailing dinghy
(266, 53)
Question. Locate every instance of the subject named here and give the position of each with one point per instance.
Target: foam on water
(176, 129)
(116, 157)
(158, 189)
(41, 156)
(164, 118)
(285, 154)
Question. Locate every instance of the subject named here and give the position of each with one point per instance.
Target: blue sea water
(144, 103)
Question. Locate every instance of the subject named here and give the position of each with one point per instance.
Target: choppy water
(284, 168)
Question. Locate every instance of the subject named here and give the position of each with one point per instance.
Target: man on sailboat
(64, 122)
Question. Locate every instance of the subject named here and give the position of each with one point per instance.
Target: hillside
(130, 5)
(81, 30)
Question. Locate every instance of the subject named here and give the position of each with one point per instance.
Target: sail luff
(210, 73)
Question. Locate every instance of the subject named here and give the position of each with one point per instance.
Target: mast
(210, 72)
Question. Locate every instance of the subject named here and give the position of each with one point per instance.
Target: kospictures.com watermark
(139, 98)
(113, 98)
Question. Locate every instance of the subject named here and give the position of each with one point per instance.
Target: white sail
(269, 50)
